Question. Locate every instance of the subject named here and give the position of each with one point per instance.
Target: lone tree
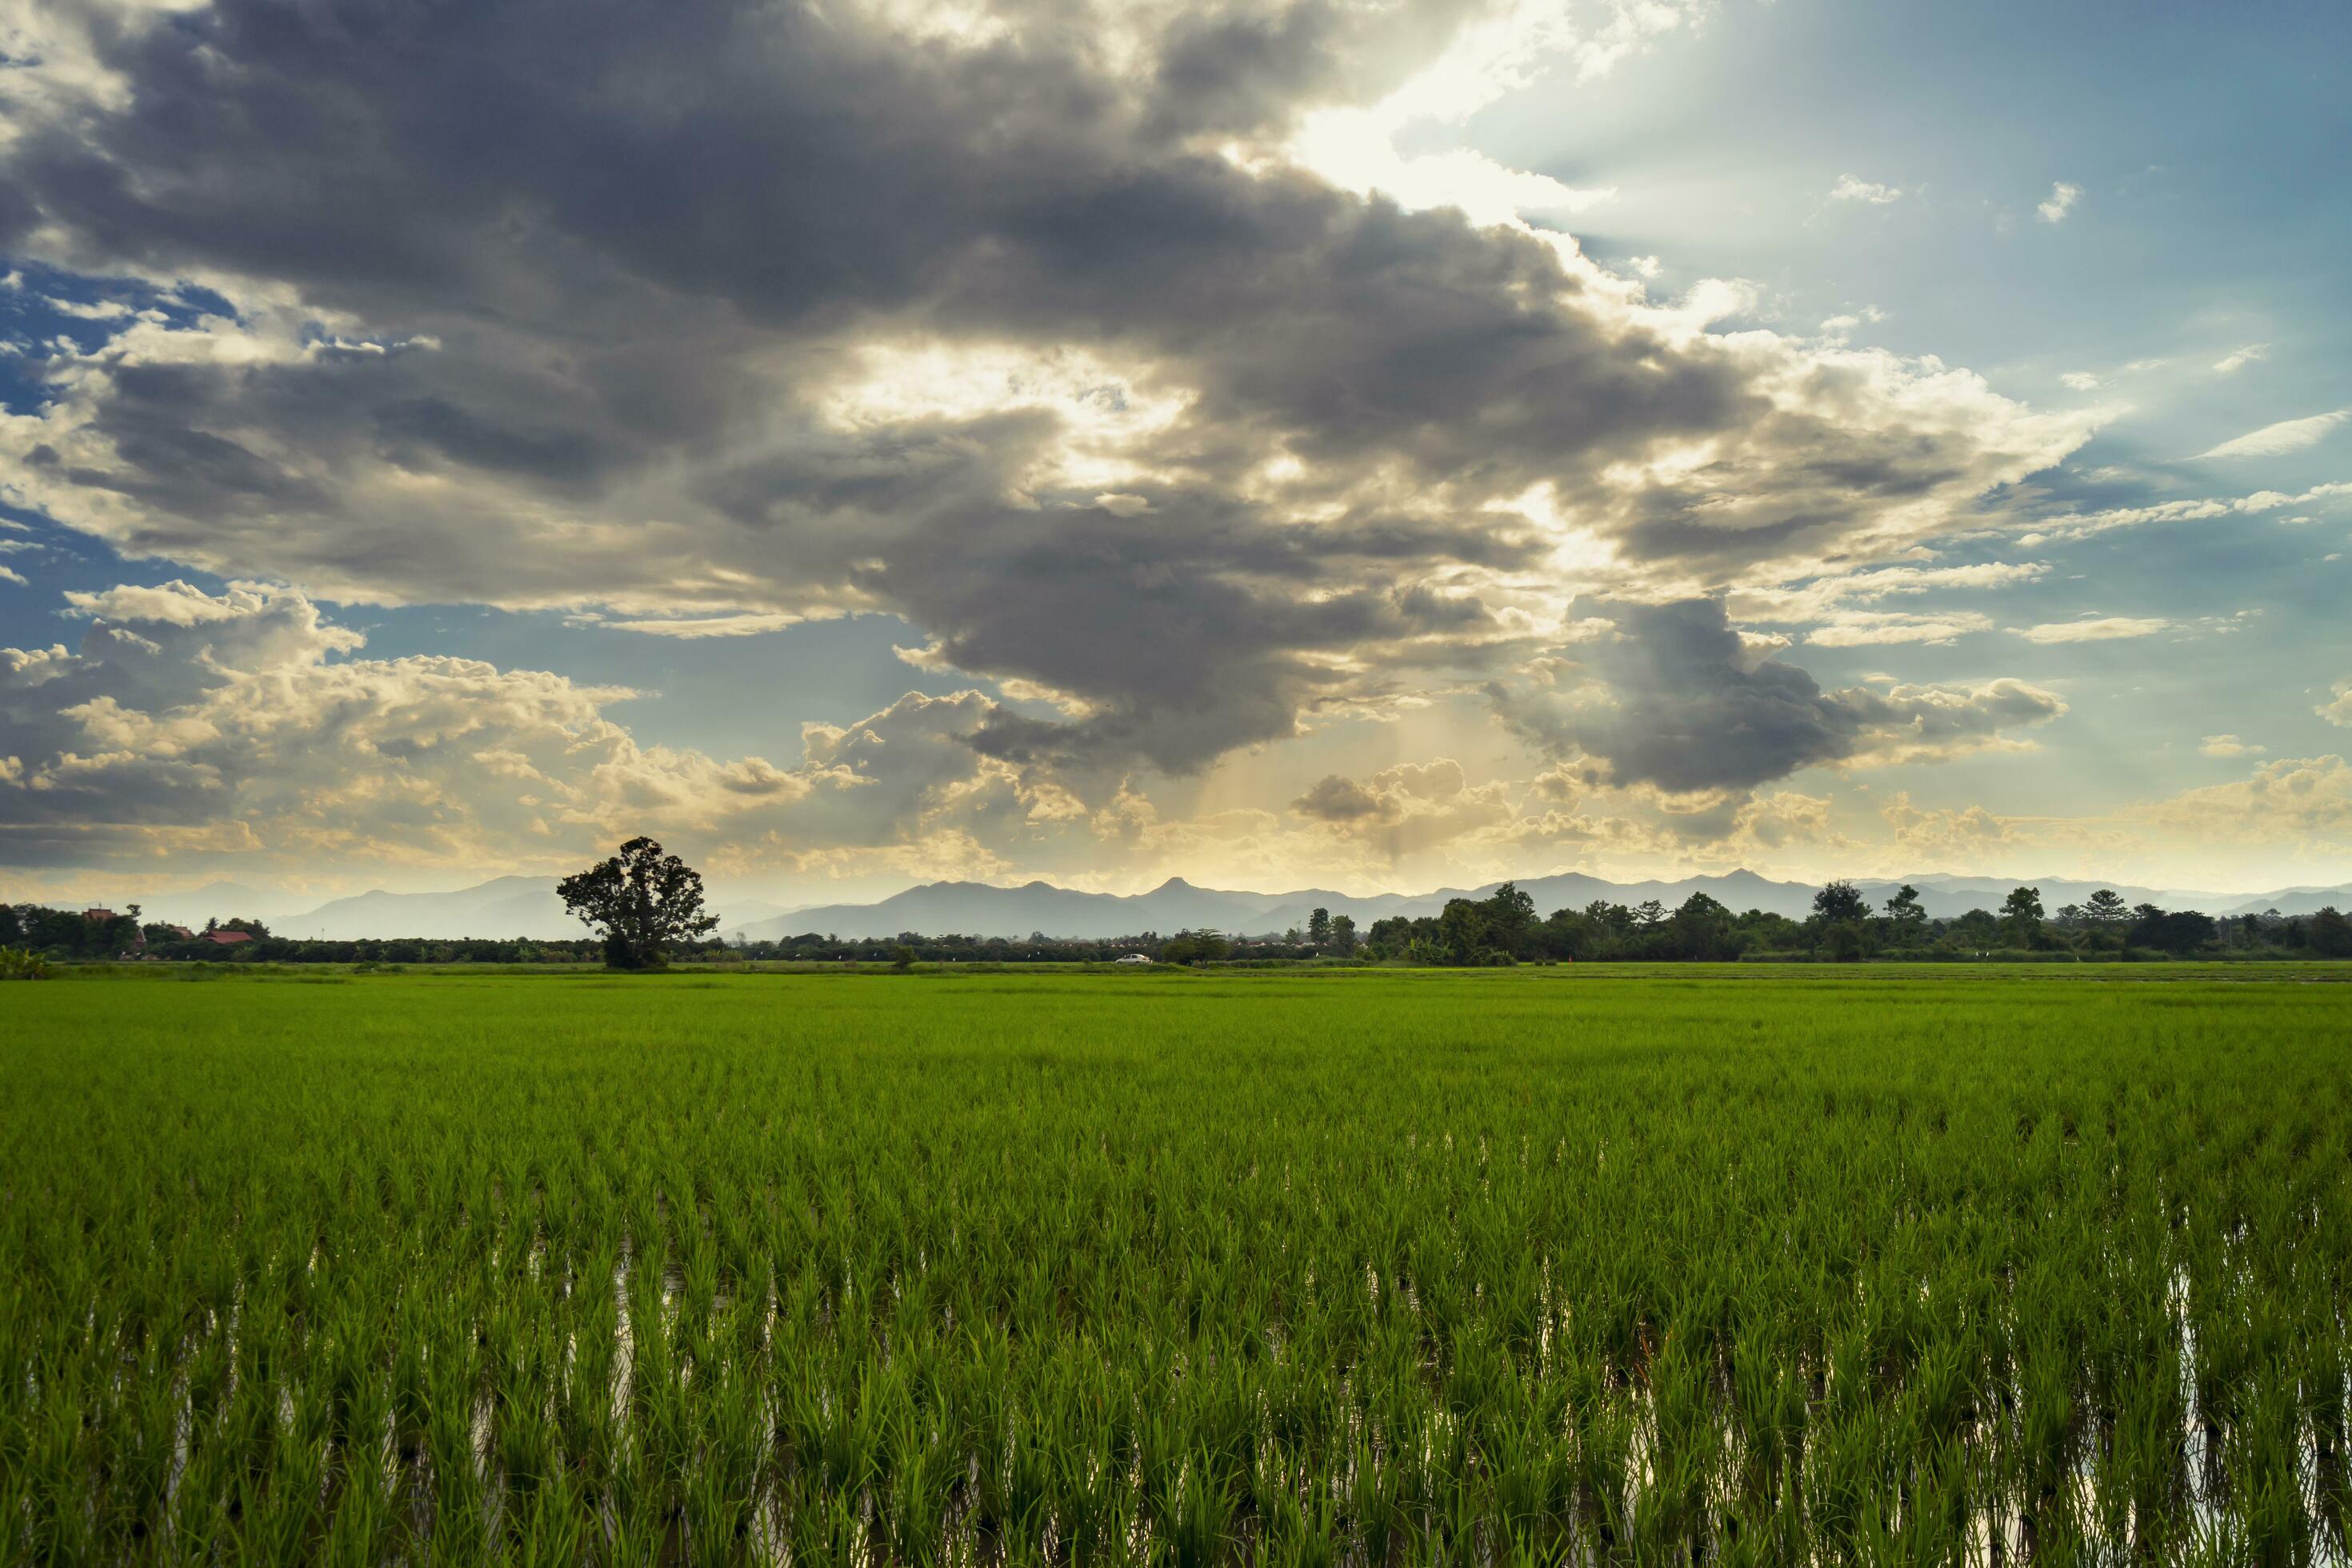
(639, 900)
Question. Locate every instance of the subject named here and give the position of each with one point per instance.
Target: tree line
(647, 906)
(1503, 929)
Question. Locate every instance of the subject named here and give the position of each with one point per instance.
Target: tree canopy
(1840, 903)
(639, 902)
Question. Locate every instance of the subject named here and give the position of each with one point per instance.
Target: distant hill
(2293, 901)
(214, 901)
(502, 908)
(498, 910)
(977, 908)
(1946, 896)
(508, 907)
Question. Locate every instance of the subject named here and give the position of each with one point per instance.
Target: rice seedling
(1522, 1267)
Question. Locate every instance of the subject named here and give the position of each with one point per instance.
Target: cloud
(1838, 329)
(1943, 836)
(1408, 809)
(7, 575)
(1338, 800)
(2226, 746)
(2081, 525)
(2237, 359)
(2277, 440)
(892, 316)
(2098, 628)
(2302, 803)
(1826, 599)
(2339, 709)
(2081, 381)
(2060, 202)
(692, 628)
(2289, 812)
(244, 722)
(1874, 628)
(1850, 189)
(1670, 695)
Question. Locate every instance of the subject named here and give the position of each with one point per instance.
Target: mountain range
(508, 907)
(976, 908)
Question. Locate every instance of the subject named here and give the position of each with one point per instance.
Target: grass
(1736, 1265)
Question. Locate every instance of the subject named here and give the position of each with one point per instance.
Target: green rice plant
(1382, 1267)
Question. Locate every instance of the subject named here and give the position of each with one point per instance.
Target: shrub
(16, 963)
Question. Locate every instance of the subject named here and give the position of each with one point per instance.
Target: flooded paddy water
(1384, 1268)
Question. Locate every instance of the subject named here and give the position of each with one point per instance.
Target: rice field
(1557, 1265)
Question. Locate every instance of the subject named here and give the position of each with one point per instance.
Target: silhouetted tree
(2329, 934)
(1510, 919)
(1343, 935)
(2021, 915)
(1462, 932)
(2105, 908)
(1905, 917)
(1839, 909)
(1840, 903)
(2175, 931)
(1704, 929)
(1196, 947)
(639, 902)
(1318, 927)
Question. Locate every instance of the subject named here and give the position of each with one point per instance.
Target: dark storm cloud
(1670, 695)
(549, 301)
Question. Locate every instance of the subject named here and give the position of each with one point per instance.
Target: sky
(1286, 443)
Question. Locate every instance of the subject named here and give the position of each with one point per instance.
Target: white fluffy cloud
(2237, 359)
(2060, 202)
(2277, 440)
(2080, 525)
(188, 722)
(1943, 836)
(1850, 188)
(1881, 628)
(2305, 803)
(2095, 629)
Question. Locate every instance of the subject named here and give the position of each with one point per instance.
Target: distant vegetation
(1503, 929)
(1499, 929)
